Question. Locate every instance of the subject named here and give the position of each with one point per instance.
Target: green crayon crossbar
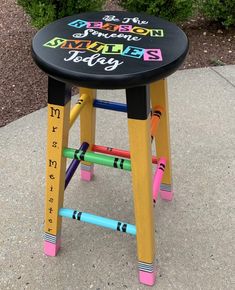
(95, 158)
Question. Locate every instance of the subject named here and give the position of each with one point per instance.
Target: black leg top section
(59, 93)
(138, 102)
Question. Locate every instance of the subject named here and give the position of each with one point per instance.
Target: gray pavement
(194, 233)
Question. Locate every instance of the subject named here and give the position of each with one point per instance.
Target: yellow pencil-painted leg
(59, 96)
(138, 107)
(87, 124)
(159, 97)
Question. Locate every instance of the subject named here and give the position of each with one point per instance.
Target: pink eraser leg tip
(166, 195)
(86, 175)
(51, 249)
(147, 278)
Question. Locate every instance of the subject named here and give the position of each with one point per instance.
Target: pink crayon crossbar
(158, 178)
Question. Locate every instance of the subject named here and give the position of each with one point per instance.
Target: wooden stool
(109, 50)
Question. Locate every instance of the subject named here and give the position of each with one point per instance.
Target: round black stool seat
(109, 50)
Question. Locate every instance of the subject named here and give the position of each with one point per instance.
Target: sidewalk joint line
(222, 76)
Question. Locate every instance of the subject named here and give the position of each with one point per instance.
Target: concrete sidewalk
(194, 233)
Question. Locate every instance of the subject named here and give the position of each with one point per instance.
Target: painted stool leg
(59, 96)
(87, 124)
(158, 93)
(138, 104)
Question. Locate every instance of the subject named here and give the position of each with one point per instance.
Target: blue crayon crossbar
(98, 220)
(110, 105)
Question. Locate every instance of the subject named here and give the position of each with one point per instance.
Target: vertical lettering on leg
(55, 112)
(52, 164)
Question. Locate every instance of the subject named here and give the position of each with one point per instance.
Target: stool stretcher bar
(155, 119)
(84, 98)
(117, 152)
(113, 106)
(97, 158)
(98, 220)
(74, 165)
(158, 178)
